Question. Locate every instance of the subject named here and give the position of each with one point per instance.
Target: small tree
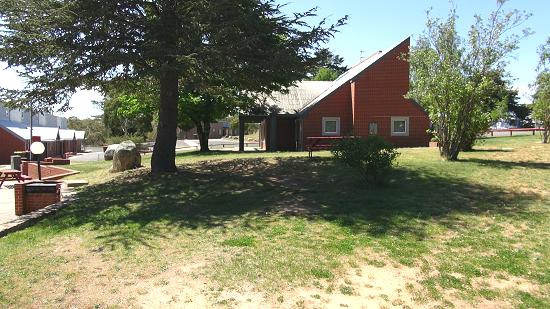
(200, 109)
(453, 78)
(541, 104)
(372, 156)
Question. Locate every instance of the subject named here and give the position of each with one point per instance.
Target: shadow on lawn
(509, 164)
(138, 206)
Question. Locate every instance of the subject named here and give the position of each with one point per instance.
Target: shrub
(372, 156)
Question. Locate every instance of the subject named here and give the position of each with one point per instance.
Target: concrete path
(7, 202)
(88, 156)
(9, 222)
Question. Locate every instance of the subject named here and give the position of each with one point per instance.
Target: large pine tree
(60, 46)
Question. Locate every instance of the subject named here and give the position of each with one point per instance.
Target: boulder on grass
(126, 157)
(110, 152)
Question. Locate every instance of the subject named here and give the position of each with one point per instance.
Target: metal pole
(30, 138)
(38, 162)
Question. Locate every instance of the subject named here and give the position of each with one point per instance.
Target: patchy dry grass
(280, 230)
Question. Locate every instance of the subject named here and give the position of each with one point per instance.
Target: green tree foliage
(499, 102)
(326, 74)
(372, 156)
(199, 110)
(129, 109)
(454, 77)
(65, 45)
(330, 66)
(96, 133)
(541, 103)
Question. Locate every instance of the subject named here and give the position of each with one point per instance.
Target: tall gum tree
(60, 46)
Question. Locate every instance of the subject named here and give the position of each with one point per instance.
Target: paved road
(96, 153)
(88, 156)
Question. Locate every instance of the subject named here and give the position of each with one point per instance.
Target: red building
(366, 100)
(15, 136)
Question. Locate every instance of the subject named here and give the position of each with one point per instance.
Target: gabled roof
(307, 94)
(46, 133)
(297, 96)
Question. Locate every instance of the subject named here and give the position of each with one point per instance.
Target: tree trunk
(203, 131)
(545, 135)
(164, 152)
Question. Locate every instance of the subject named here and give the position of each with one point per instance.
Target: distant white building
(15, 134)
(39, 120)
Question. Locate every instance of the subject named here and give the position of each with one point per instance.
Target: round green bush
(372, 156)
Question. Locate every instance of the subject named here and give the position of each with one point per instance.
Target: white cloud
(525, 94)
(81, 105)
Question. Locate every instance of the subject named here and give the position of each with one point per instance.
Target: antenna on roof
(361, 57)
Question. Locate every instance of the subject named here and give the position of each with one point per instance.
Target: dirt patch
(510, 283)
(512, 231)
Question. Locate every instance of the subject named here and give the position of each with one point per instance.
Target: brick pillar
(25, 167)
(19, 191)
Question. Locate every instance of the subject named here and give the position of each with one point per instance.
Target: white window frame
(406, 119)
(337, 119)
(375, 125)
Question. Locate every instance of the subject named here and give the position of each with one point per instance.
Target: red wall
(379, 92)
(9, 144)
(375, 95)
(337, 104)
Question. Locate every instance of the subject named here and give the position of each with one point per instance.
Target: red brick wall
(379, 92)
(48, 170)
(374, 96)
(26, 202)
(337, 104)
(8, 144)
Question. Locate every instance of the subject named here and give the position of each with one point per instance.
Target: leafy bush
(372, 156)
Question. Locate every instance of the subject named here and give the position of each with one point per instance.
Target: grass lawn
(280, 230)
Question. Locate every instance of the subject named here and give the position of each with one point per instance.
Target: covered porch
(278, 132)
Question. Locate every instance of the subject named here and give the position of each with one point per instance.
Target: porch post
(273, 132)
(241, 133)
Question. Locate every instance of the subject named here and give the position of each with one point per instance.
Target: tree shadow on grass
(138, 207)
(508, 164)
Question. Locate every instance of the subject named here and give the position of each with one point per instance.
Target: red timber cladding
(8, 144)
(379, 92)
(337, 104)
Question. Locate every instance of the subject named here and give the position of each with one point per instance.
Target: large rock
(126, 157)
(110, 152)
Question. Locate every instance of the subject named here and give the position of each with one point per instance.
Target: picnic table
(11, 174)
(321, 143)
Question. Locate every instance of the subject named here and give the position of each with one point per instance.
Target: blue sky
(376, 25)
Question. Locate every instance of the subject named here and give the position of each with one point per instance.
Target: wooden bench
(321, 143)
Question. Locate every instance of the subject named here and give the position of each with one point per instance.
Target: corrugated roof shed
(46, 133)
